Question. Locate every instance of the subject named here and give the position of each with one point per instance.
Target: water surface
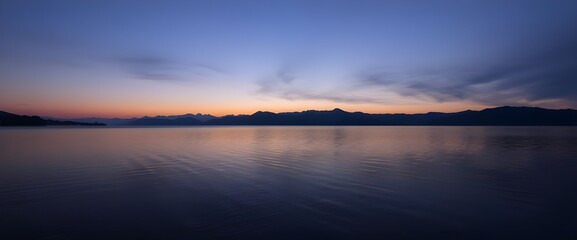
(289, 183)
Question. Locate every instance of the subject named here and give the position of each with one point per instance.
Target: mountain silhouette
(107, 121)
(500, 116)
(166, 121)
(143, 120)
(198, 116)
(11, 119)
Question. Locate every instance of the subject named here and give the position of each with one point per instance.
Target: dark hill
(510, 116)
(166, 121)
(501, 116)
(10, 119)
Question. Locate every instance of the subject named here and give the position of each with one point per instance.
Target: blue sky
(133, 58)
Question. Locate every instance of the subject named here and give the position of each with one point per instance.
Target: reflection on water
(289, 182)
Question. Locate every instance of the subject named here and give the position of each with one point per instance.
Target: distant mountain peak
(198, 116)
(498, 116)
(501, 116)
(11, 119)
(263, 113)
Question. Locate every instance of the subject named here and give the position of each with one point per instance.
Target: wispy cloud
(545, 73)
(159, 68)
(284, 85)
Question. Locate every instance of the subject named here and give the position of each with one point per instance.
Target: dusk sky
(134, 58)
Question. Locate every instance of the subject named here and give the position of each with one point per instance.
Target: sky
(101, 58)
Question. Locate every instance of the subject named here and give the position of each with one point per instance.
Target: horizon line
(281, 112)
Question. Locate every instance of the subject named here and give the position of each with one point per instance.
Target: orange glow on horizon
(128, 111)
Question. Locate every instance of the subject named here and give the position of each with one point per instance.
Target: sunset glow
(107, 59)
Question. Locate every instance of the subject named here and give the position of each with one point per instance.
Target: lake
(294, 182)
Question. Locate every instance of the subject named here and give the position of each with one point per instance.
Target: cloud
(285, 75)
(149, 67)
(545, 72)
(159, 68)
(292, 81)
(283, 85)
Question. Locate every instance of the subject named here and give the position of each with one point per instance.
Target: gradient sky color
(134, 58)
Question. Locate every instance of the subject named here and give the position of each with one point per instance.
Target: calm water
(289, 183)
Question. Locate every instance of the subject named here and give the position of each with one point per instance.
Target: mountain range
(11, 119)
(500, 116)
(146, 120)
